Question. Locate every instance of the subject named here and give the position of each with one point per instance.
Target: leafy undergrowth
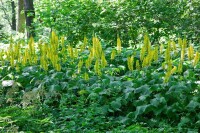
(94, 88)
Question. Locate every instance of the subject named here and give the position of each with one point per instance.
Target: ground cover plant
(100, 66)
(106, 88)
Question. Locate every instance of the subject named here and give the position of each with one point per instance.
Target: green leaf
(53, 88)
(57, 75)
(127, 84)
(131, 115)
(193, 104)
(184, 120)
(177, 88)
(141, 110)
(144, 89)
(116, 105)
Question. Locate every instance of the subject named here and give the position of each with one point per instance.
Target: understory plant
(94, 88)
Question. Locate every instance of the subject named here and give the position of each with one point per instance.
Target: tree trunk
(13, 16)
(20, 16)
(29, 15)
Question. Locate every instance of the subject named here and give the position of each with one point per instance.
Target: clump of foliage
(3, 35)
(94, 88)
(129, 19)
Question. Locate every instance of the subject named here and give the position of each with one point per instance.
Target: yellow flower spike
(147, 43)
(80, 64)
(12, 61)
(27, 55)
(184, 43)
(182, 54)
(161, 48)
(196, 59)
(144, 63)
(169, 73)
(31, 46)
(190, 52)
(56, 43)
(167, 54)
(88, 63)
(70, 51)
(17, 68)
(180, 42)
(113, 54)
(167, 76)
(163, 65)
(23, 60)
(75, 52)
(180, 67)
(63, 45)
(35, 60)
(98, 49)
(103, 60)
(119, 45)
(169, 65)
(173, 70)
(155, 56)
(97, 68)
(137, 65)
(43, 63)
(53, 34)
(173, 46)
(58, 67)
(130, 61)
(94, 42)
(150, 57)
(142, 53)
(86, 76)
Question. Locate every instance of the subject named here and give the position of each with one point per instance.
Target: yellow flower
(130, 61)
(169, 73)
(161, 48)
(173, 70)
(76, 52)
(196, 59)
(155, 56)
(145, 62)
(142, 53)
(180, 67)
(147, 43)
(167, 54)
(169, 65)
(182, 54)
(88, 63)
(31, 46)
(97, 68)
(137, 65)
(180, 42)
(190, 52)
(119, 45)
(58, 67)
(97, 49)
(70, 51)
(86, 76)
(174, 46)
(103, 60)
(80, 64)
(167, 76)
(113, 54)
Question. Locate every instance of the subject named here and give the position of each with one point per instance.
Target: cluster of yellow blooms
(57, 52)
(147, 53)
